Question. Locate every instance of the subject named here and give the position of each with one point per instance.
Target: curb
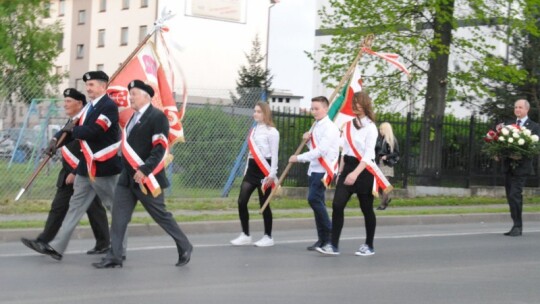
(11, 235)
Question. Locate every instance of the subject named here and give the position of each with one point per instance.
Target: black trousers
(97, 215)
(513, 186)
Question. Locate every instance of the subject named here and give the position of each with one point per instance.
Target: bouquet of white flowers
(511, 141)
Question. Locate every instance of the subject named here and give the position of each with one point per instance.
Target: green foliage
(28, 49)
(409, 28)
(207, 143)
(252, 78)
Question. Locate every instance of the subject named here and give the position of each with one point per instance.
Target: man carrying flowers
(515, 143)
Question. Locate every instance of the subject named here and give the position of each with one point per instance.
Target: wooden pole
(39, 168)
(366, 43)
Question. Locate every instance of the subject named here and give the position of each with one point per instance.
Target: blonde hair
(267, 113)
(388, 135)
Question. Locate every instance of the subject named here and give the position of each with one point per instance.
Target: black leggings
(246, 190)
(341, 197)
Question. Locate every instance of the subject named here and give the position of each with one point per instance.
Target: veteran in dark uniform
(97, 172)
(74, 102)
(144, 148)
(516, 175)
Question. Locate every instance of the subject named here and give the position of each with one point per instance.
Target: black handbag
(392, 161)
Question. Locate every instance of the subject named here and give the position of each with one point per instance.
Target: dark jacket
(523, 166)
(99, 137)
(151, 123)
(382, 148)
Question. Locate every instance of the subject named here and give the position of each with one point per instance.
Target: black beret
(71, 92)
(98, 75)
(141, 85)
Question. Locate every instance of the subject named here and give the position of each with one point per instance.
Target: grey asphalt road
(448, 263)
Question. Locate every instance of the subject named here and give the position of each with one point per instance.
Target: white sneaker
(265, 241)
(241, 240)
(365, 250)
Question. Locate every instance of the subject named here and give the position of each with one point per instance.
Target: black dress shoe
(98, 250)
(106, 263)
(315, 245)
(35, 245)
(381, 207)
(515, 231)
(51, 252)
(184, 258)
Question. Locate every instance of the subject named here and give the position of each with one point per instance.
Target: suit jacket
(99, 137)
(523, 166)
(151, 123)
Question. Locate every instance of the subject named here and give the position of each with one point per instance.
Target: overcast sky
(292, 31)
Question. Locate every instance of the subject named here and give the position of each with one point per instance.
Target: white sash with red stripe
(71, 159)
(261, 162)
(135, 161)
(380, 180)
(329, 167)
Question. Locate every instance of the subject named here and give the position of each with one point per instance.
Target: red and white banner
(380, 181)
(391, 58)
(152, 66)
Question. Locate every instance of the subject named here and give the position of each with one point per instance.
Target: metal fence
(211, 162)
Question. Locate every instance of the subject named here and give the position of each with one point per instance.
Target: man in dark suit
(516, 175)
(98, 133)
(74, 102)
(144, 148)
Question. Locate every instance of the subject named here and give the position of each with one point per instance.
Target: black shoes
(106, 263)
(184, 258)
(42, 248)
(98, 250)
(316, 245)
(515, 231)
(35, 245)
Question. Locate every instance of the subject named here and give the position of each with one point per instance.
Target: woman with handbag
(387, 156)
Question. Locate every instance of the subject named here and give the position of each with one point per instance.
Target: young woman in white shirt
(359, 139)
(261, 174)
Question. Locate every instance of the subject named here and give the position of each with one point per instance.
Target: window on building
(61, 42)
(80, 51)
(280, 99)
(82, 17)
(101, 38)
(61, 7)
(143, 30)
(144, 3)
(287, 100)
(79, 84)
(124, 35)
(100, 67)
(58, 70)
(125, 4)
(103, 5)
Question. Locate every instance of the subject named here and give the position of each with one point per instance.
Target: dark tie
(519, 122)
(90, 109)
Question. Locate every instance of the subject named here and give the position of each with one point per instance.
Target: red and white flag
(391, 58)
(151, 64)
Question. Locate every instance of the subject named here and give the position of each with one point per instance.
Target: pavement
(230, 226)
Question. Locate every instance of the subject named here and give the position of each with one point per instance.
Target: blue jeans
(316, 199)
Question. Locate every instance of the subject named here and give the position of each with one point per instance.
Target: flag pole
(39, 168)
(366, 43)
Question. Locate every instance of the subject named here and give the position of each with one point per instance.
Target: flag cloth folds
(341, 109)
(148, 65)
(391, 58)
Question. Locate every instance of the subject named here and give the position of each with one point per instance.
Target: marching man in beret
(98, 133)
(144, 148)
(74, 102)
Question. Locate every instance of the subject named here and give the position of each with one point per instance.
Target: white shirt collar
(94, 102)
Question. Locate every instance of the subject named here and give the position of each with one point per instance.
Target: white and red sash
(101, 155)
(69, 157)
(380, 181)
(135, 161)
(329, 167)
(261, 162)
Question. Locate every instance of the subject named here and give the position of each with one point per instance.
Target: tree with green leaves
(426, 33)
(253, 79)
(28, 50)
